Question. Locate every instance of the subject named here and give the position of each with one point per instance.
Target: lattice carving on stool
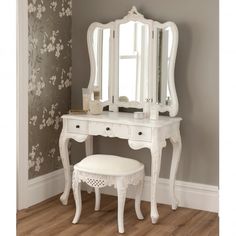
(99, 183)
(85, 171)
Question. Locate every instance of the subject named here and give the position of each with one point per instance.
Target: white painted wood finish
(133, 15)
(120, 178)
(91, 29)
(23, 188)
(145, 133)
(113, 101)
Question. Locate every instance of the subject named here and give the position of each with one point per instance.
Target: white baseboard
(190, 195)
(44, 187)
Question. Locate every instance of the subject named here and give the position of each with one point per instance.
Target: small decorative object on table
(77, 111)
(95, 107)
(85, 95)
(146, 107)
(96, 93)
(123, 99)
(154, 112)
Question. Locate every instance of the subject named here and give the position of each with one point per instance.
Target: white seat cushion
(109, 165)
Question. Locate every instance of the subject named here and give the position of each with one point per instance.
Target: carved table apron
(145, 133)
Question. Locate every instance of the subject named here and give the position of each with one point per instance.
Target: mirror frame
(133, 15)
(91, 29)
(174, 106)
(113, 101)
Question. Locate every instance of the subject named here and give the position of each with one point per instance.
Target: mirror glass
(134, 62)
(101, 50)
(164, 41)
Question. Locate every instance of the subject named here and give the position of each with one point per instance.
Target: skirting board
(190, 195)
(44, 187)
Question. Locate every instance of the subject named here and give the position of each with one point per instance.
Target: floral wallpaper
(49, 86)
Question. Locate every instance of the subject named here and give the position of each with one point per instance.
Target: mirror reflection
(101, 49)
(133, 61)
(164, 40)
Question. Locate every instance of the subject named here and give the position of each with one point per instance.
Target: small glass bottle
(154, 113)
(85, 99)
(146, 107)
(96, 93)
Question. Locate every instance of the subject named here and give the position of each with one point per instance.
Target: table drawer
(108, 129)
(77, 126)
(121, 131)
(141, 133)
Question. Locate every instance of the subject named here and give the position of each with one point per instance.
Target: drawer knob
(77, 126)
(140, 133)
(107, 128)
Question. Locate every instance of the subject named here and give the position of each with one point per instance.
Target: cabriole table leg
(156, 164)
(177, 147)
(63, 145)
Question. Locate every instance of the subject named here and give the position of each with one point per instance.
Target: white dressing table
(132, 61)
(145, 133)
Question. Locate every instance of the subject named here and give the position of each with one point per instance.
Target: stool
(106, 170)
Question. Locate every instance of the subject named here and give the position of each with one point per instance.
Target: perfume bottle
(146, 107)
(85, 99)
(96, 93)
(154, 113)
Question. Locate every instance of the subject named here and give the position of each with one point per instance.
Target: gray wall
(196, 77)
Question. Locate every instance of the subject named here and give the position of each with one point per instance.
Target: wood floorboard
(51, 218)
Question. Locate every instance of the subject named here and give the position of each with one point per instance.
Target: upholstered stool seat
(107, 170)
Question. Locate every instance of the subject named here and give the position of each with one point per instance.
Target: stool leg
(139, 190)
(121, 192)
(77, 196)
(97, 199)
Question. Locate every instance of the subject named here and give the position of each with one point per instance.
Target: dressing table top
(124, 118)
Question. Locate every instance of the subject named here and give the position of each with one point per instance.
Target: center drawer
(77, 126)
(108, 129)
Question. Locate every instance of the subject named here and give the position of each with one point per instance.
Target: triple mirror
(132, 62)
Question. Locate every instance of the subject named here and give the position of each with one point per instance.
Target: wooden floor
(52, 218)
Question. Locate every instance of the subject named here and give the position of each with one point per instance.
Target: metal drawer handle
(77, 126)
(107, 128)
(140, 133)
